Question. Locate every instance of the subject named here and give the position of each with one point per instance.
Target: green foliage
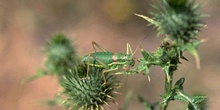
(167, 56)
(194, 102)
(180, 21)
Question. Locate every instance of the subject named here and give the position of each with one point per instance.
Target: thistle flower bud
(179, 19)
(60, 54)
(88, 93)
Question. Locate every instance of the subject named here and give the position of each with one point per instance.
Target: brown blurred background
(26, 24)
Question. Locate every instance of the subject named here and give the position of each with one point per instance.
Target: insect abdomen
(105, 57)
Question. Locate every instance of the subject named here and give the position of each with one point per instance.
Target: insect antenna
(139, 45)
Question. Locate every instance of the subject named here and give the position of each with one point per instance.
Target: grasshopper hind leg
(94, 44)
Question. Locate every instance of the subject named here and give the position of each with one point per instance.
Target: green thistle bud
(179, 19)
(60, 53)
(91, 93)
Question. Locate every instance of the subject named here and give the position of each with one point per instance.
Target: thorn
(108, 104)
(184, 58)
(204, 40)
(93, 42)
(197, 62)
(104, 84)
(118, 93)
(148, 77)
(102, 108)
(116, 103)
(148, 19)
(85, 78)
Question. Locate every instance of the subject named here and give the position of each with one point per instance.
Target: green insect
(110, 61)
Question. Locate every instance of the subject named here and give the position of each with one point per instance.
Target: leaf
(192, 48)
(146, 55)
(194, 101)
(179, 83)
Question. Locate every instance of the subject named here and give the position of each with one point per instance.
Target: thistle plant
(180, 21)
(86, 87)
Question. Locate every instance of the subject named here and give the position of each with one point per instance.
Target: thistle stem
(167, 90)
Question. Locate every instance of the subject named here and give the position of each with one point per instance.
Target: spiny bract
(179, 19)
(91, 93)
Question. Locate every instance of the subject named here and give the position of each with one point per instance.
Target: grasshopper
(110, 61)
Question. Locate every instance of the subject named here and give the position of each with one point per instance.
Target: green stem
(167, 90)
(168, 82)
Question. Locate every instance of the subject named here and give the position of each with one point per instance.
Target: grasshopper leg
(109, 70)
(100, 62)
(129, 50)
(87, 72)
(94, 44)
